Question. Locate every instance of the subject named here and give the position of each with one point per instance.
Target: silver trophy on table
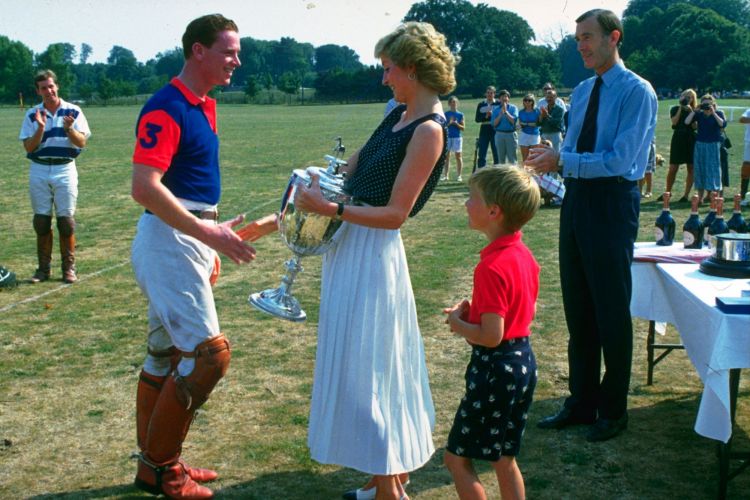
(304, 233)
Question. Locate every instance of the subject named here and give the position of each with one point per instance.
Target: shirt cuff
(571, 165)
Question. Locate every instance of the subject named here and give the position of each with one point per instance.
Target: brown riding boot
(44, 256)
(149, 388)
(160, 469)
(171, 480)
(68, 254)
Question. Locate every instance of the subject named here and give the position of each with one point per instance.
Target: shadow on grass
(122, 491)
(658, 456)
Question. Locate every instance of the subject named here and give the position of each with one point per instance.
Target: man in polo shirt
(504, 119)
(174, 255)
(612, 123)
(53, 134)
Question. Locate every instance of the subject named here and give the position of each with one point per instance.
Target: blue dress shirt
(624, 129)
(505, 125)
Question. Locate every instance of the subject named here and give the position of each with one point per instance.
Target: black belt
(201, 214)
(601, 181)
(53, 161)
(206, 214)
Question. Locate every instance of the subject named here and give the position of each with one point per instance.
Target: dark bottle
(737, 224)
(710, 217)
(665, 224)
(692, 231)
(718, 226)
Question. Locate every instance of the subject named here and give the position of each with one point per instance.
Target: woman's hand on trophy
(259, 228)
(311, 199)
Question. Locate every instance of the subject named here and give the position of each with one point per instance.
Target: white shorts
(53, 186)
(746, 155)
(526, 140)
(172, 269)
(455, 144)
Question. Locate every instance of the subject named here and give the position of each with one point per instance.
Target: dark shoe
(660, 198)
(564, 418)
(683, 200)
(39, 276)
(605, 428)
(360, 494)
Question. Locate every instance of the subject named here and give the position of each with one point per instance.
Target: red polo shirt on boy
(506, 283)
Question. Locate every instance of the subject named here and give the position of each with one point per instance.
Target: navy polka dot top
(380, 160)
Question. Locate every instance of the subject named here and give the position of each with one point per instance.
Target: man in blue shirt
(504, 118)
(612, 122)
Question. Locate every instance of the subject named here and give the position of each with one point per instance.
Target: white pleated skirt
(371, 405)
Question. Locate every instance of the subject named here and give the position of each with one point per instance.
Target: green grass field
(70, 355)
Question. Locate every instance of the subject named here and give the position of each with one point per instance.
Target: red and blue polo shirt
(176, 133)
(506, 283)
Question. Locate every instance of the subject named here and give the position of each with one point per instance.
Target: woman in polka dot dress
(371, 405)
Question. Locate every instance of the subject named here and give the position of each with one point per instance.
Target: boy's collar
(501, 242)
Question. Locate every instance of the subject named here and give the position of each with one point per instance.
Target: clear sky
(148, 27)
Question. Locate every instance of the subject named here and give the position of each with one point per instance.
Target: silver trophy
(305, 233)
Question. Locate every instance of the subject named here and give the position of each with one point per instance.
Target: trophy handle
(279, 301)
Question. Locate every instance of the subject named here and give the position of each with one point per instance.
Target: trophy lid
(332, 183)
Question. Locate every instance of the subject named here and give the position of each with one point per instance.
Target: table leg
(651, 347)
(725, 449)
(650, 352)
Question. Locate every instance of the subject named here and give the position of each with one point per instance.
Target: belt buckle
(210, 215)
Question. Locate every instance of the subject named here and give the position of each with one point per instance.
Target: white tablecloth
(715, 342)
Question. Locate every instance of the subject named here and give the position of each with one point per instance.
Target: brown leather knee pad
(42, 224)
(66, 226)
(211, 364)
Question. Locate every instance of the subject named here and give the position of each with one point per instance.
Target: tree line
(674, 44)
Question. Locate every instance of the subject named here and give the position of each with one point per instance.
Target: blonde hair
(420, 45)
(692, 95)
(531, 98)
(708, 97)
(512, 189)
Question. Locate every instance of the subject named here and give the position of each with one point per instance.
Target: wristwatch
(559, 162)
(339, 211)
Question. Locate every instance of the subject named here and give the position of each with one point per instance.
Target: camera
(705, 106)
(684, 100)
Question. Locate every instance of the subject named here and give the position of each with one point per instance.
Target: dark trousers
(598, 227)
(486, 138)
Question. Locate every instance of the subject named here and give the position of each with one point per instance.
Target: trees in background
(701, 44)
(16, 64)
(494, 45)
(674, 44)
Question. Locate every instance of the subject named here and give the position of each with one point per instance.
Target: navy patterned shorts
(492, 415)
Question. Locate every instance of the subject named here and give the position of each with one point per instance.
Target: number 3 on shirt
(150, 141)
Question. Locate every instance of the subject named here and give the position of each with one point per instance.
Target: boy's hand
(460, 311)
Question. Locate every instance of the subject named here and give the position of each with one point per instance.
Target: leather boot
(68, 254)
(149, 388)
(44, 256)
(171, 480)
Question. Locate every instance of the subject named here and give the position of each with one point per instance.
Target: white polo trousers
(172, 269)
